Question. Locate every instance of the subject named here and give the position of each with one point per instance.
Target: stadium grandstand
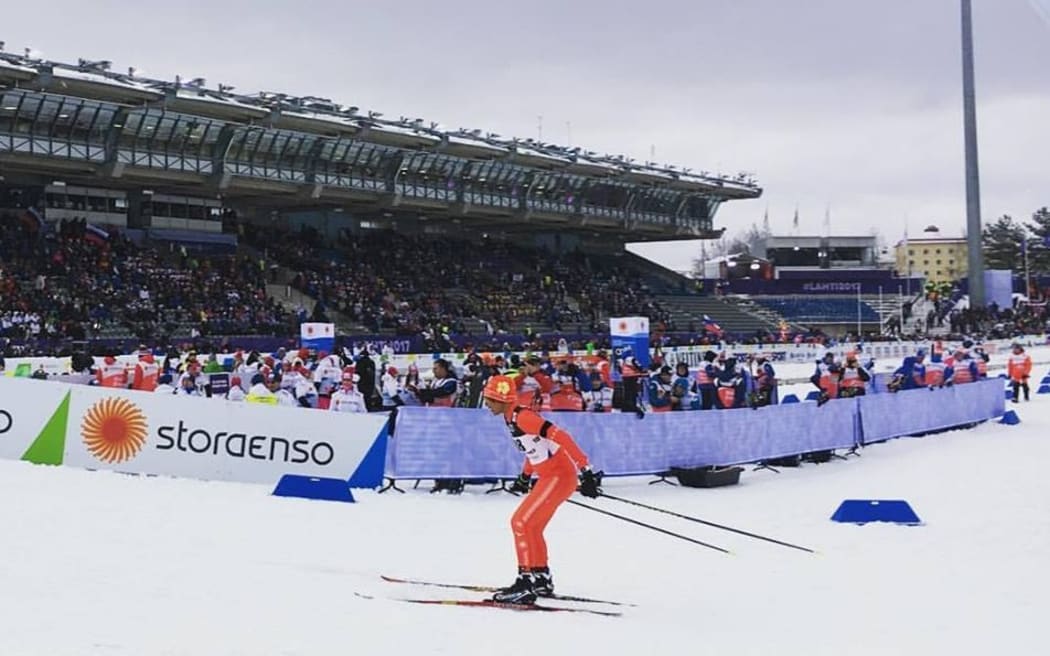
(163, 209)
(832, 284)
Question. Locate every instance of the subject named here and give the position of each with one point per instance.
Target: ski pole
(648, 526)
(707, 523)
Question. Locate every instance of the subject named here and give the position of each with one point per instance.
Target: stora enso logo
(114, 430)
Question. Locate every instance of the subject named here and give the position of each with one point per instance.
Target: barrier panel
(466, 443)
(210, 439)
(885, 416)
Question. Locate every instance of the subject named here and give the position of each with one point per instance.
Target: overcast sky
(849, 104)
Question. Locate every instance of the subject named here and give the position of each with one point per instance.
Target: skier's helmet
(500, 388)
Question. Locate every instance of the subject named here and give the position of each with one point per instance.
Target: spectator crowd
(79, 282)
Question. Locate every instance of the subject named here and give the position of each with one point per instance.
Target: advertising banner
(630, 339)
(144, 433)
(220, 384)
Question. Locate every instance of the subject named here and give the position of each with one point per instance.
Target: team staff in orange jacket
(553, 457)
(1019, 368)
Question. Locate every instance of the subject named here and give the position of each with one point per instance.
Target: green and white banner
(211, 439)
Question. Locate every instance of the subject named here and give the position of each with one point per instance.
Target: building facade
(937, 259)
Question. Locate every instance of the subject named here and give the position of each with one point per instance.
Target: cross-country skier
(552, 455)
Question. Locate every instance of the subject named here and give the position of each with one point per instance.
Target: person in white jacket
(327, 373)
(260, 392)
(347, 398)
(390, 388)
(236, 392)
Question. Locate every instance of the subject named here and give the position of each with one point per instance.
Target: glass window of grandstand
(188, 208)
(795, 256)
(911, 251)
(61, 201)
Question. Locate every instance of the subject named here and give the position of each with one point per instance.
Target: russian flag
(712, 327)
(95, 235)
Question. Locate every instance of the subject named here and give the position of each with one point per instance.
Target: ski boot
(542, 582)
(521, 592)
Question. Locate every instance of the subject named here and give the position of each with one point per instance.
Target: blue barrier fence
(885, 416)
(466, 443)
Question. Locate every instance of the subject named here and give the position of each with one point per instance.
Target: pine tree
(1002, 244)
(1039, 242)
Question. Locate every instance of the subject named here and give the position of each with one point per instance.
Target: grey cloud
(850, 103)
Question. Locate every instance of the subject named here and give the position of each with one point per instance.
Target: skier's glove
(521, 484)
(590, 483)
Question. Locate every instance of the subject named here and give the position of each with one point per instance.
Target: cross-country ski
(489, 603)
(489, 588)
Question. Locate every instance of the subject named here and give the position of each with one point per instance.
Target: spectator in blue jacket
(706, 379)
(910, 375)
(730, 386)
(681, 386)
(661, 391)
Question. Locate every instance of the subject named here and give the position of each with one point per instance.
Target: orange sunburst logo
(114, 430)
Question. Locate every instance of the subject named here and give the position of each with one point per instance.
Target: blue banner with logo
(219, 383)
(630, 340)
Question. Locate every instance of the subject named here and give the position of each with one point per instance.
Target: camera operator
(765, 383)
(853, 378)
(826, 378)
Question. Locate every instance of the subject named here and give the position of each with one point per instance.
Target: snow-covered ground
(102, 563)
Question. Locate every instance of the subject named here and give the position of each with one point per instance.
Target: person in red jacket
(112, 373)
(532, 383)
(147, 372)
(553, 456)
(1019, 368)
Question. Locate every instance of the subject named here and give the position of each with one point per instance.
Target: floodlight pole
(975, 259)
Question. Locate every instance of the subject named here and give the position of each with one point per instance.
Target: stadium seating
(819, 310)
(688, 311)
(387, 282)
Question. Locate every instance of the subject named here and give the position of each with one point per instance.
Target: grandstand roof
(271, 132)
(109, 85)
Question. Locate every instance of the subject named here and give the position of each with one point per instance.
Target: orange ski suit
(553, 456)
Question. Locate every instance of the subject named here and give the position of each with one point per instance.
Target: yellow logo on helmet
(503, 387)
